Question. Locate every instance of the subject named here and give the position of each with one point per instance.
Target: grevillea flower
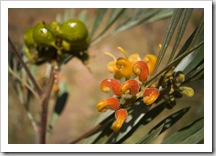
(109, 103)
(122, 67)
(109, 84)
(150, 95)
(141, 69)
(120, 116)
(130, 87)
(151, 61)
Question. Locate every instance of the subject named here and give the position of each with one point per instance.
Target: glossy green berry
(28, 38)
(74, 30)
(53, 27)
(43, 36)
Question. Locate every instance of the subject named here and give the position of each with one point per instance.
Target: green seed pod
(43, 36)
(74, 30)
(54, 28)
(28, 38)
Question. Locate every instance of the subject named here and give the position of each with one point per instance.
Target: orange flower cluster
(126, 67)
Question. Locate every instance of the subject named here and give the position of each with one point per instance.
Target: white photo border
(206, 147)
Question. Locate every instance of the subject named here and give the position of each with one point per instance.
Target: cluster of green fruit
(54, 41)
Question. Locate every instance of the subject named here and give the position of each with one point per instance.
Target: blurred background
(80, 113)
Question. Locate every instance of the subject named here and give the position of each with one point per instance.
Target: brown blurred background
(80, 112)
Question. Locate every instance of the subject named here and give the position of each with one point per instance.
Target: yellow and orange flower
(120, 116)
(122, 67)
(150, 95)
(109, 103)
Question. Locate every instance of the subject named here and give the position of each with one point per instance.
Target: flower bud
(151, 61)
(150, 95)
(120, 116)
(109, 103)
(141, 69)
(130, 87)
(109, 84)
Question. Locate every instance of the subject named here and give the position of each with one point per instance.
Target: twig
(25, 67)
(44, 106)
(24, 83)
(92, 131)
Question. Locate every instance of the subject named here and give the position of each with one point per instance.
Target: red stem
(45, 102)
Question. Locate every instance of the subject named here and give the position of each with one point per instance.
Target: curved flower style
(109, 103)
(141, 69)
(130, 87)
(150, 95)
(109, 84)
(151, 61)
(120, 116)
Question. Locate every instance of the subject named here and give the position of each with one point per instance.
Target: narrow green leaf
(182, 26)
(124, 17)
(186, 132)
(196, 75)
(136, 13)
(194, 138)
(169, 34)
(199, 35)
(82, 15)
(98, 19)
(128, 19)
(68, 14)
(162, 14)
(171, 120)
(199, 57)
(102, 34)
(150, 137)
(144, 16)
(186, 45)
(191, 61)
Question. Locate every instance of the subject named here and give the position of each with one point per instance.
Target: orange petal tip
(109, 103)
(121, 116)
(150, 95)
(141, 69)
(130, 87)
(109, 84)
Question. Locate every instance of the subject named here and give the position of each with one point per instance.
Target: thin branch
(24, 83)
(92, 131)
(44, 112)
(25, 67)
